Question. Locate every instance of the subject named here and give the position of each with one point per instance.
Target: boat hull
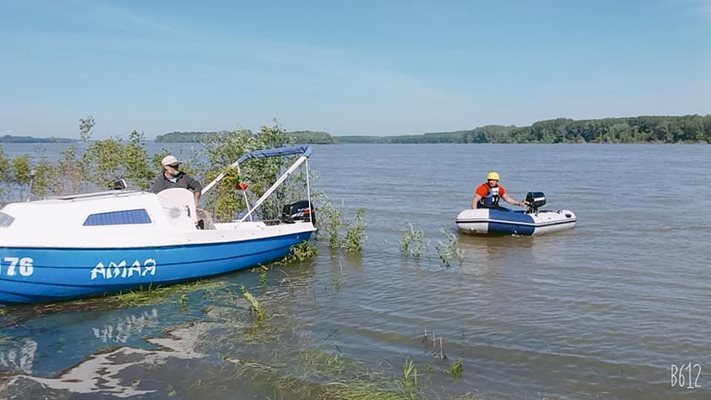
(32, 275)
(499, 222)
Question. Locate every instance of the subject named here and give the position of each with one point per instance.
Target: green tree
(222, 151)
(85, 127)
(135, 162)
(5, 172)
(102, 161)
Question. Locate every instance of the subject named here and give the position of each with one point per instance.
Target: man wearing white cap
(171, 177)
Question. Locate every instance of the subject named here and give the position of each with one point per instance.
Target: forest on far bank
(644, 129)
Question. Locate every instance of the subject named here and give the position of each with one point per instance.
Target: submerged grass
(324, 376)
(162, 294)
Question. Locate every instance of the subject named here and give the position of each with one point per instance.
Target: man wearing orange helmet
(488, 193)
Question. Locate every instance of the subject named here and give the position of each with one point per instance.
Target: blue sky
(346, 67)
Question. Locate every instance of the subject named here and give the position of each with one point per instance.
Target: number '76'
(16, 264)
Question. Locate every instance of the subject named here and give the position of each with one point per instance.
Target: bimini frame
(303, 150)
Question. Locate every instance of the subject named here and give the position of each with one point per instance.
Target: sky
(358, 67)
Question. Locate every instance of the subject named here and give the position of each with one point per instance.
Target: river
(608, 310)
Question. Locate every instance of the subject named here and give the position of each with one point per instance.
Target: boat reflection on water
(18, 356)
(121, 330)
(29, 342)
(107, 373)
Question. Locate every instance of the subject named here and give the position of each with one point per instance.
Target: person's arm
(196, 188)
(510, 200)
(476, 200)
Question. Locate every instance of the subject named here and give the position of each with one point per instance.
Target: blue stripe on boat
(65, 273)
(510, 223)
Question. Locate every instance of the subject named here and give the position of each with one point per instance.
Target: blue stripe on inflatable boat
(510, 223)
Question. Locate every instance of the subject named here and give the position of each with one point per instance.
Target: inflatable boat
(500, 221)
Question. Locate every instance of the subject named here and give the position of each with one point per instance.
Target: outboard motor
(298, 211)
(119, 184)
(535, 200)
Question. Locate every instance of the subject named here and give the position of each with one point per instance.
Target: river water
(608, 310)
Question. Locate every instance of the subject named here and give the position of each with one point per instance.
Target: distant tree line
(307, 137)
(644, 129)
(29, 139)
(191, 137)
(311, 137)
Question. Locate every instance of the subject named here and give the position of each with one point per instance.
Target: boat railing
(303, 150)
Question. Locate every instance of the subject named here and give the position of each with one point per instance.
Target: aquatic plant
(448, 251)
(160, 294)
(331, 222)
(263, 277)
(301, 252)
(412, 242)
(410, 381)
(334, 222)
(324, 376)
(353, 241)
(254, 305)
(457, 368)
